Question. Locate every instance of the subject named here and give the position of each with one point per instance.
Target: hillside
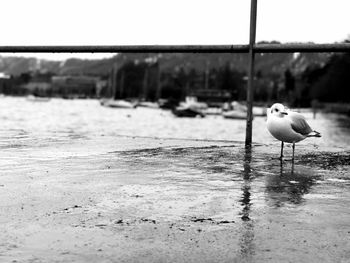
(265, 63)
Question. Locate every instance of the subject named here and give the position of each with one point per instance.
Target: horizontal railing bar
(307, 47)
(130, 49)
(258, 48)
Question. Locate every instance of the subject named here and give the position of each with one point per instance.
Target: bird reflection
(289, 185)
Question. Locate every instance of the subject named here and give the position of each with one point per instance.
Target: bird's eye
(276, 110)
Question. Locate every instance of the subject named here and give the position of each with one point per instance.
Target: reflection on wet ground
(246, 241)
(253, 178)
(283, 181)
(167, 190)
(289, 185)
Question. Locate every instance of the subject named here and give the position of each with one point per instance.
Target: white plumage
(288, 126)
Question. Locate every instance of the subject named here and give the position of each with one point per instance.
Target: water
(79, 127)
(85, 183)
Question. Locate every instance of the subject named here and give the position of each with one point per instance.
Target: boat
(235, 114)
(190, 108)
(259, 111)
(147, 104)
(193, 103)
(37, 98)
(212, 111)
(238, 110)
(111, 101)
(168, 104)
(187, 112)
(118, 104)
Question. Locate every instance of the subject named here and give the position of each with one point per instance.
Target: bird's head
(278, 110)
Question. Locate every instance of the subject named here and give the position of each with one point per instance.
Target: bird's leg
(293, 151)
(281, 150)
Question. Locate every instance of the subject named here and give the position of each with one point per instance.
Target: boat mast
(114, 80)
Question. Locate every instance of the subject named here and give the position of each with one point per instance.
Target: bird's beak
(284, 113)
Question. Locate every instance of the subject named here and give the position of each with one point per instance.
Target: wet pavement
(178, 201)
(84, 183)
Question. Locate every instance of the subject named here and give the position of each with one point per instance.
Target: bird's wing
(299, 123)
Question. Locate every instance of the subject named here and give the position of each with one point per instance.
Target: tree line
(276, 78)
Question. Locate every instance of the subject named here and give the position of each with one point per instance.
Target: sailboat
(239, 111)
(117, 103)
(143, 99)
(113, 102)
(190, 108)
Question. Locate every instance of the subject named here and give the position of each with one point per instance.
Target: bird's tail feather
(314, 134)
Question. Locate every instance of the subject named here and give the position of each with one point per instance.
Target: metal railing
(251, 49)
(257, 48)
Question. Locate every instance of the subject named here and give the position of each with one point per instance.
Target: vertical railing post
(250, 88)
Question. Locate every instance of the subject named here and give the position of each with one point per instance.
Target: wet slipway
(84, 183)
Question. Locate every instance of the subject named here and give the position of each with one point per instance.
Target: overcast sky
(133, 22)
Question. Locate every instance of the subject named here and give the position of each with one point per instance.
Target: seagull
(288, 126)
